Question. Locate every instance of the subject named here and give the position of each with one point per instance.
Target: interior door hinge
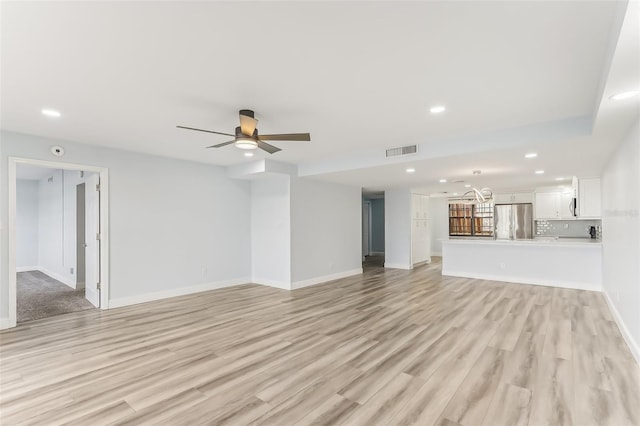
(98, 237)
(98, 286)
(98, 187)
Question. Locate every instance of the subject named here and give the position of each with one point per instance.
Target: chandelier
(477, 196)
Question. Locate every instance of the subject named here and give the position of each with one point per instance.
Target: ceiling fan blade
(247, 124)
(221, 144)
(269, 148)
(202, 130)
(286, 137)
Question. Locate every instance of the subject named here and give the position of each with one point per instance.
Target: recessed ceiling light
(437, 109)
(410, 170)
(248, 154)
(467, 186)
(559, 178)
(539, 172)
(455, 193)
(477, 172)
(624, 95)
(442, 181)
(51, 113)
(531, 155)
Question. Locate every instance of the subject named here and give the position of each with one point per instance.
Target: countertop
(551, 242)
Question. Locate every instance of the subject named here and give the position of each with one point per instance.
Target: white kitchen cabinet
(547, 205)
(502, 199)
(513, 198)
(420, 245)
(589, 198)
(522, 197)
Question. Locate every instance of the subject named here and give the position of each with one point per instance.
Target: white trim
(58, 277)
(13, 290)
(174, 292)
(398, 265)
(325, 278)
(633, 345)
(104, 225)
(436, 253)
(5, 322)
(27, 268)
(272, 283)
(376, 253)
(524, 280)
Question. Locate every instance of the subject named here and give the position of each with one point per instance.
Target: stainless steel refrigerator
(513, 221)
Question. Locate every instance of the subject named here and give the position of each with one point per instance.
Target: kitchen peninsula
(569, 263)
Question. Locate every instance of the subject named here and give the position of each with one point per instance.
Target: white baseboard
(376, 253)
(325, 278)
(397, 265)
(27, 268)
(521, 280)
(58, 277)
(272, 283)
(181, 291)
(633, 345)
(5, 323)
(436, 253)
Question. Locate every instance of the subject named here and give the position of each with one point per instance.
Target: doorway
(373, 244)
(65, 244)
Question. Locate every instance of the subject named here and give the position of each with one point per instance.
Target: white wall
(621, 236)
(326, 229)
(26, 224)
(439, 223)
(169, 219)
(397, 228)
(50, 228)
(271, 231)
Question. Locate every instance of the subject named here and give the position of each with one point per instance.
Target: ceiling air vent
(403, 150)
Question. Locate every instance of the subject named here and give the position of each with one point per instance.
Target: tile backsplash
(567, 228)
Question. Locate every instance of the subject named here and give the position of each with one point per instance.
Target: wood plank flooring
(385, 348)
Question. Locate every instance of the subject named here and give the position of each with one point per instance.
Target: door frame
(104, 227)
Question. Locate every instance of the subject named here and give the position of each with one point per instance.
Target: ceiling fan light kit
(247, 137)
(245, 143)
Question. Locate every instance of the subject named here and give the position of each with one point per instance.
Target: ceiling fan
(247, 136)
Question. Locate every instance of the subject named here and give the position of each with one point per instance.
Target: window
(471, 220)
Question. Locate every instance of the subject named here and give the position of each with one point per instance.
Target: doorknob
(84, 245)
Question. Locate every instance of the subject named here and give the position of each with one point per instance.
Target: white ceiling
(359, 76)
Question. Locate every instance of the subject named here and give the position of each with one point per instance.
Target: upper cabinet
(547, 205)
(513, 198)
(580, 201)
(419, 206)
(589, 198)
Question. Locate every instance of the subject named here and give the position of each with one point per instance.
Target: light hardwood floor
(389, 347)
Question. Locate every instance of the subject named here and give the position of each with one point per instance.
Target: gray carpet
(40, 296)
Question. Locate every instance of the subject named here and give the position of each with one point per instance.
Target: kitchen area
(551, 236)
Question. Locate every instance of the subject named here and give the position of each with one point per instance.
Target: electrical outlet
(502, 266)
(566, 226)
(204, 271)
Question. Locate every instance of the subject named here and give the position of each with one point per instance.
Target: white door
(365, 229)
(92, 243)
